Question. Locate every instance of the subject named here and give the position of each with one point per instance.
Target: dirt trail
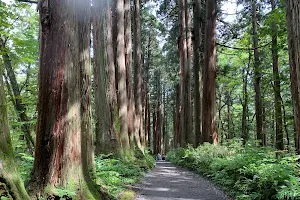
(168, 182)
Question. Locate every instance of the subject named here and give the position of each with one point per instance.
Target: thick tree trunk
(112, 93)
(122, 91)
(183, 67)
(197, 72)
(9, 175)
(209, 129)
(128, 62)
(276, 77)
(293, 21)
(138, 81)
(189, 136)
(64, 151)
(102, 126)
(257, 78)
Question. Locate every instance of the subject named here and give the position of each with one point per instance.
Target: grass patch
(244, 172)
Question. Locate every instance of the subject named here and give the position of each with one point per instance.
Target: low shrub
(244, 172)
(116, 175)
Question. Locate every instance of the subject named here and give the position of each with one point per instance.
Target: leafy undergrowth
(115, 176)
(244, 172)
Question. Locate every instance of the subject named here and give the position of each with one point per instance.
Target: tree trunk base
(86, 189)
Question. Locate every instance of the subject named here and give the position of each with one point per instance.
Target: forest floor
(168, 182)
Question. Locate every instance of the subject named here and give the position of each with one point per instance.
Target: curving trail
(168, 182)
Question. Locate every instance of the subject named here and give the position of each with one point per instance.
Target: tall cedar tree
(278, 105)
(102, 126)
(257, 77)
(64, 153)
(183, 67)
(122, 91)
(209, 129)
(129, 82)
(138, 81)
(111, 68)
(293, 24)
(189, 136)
(197, 71)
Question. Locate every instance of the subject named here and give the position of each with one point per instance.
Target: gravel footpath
(168, 182)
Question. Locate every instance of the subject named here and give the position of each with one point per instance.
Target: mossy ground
(4, 192)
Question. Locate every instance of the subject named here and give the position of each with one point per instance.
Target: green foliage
(244, 172)
(25, 165)
(60, 193)
(4, 192)
(115, 175)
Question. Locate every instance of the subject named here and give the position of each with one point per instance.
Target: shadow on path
(168, 182)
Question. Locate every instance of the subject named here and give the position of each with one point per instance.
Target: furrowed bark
(138, 81)
(64, 152)
(197, 72)
(183, 68)
(128, 62)
(293, 11)
(122, 91)
(102, 126)
(209, 129)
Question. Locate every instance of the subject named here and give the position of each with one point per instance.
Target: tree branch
(245, 49)
(28, 1)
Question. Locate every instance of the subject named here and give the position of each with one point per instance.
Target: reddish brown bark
(197, 71)
(63, 152)
(113, 104)
(209, 129)
(128, 62)
(183, 68)
(293, 10)
(122, 88)
(138, 81)
(189, 136)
